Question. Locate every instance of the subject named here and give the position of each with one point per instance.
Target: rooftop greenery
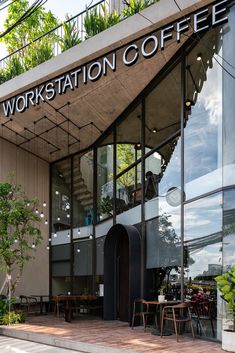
(37, 39)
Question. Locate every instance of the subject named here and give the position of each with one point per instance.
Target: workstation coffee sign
(148, 47)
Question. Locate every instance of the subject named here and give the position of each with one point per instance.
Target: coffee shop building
(128, 139)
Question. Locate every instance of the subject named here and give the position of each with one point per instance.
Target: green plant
(135, 6)
(12, 317)
(19, 231)
(106, 205)
(97, 21)
(226, 285)
(71, 35)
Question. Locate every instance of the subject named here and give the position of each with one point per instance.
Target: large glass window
(105, 181)
(61, 202)
(83, 214)
(203, 131)
(203, 254)
(229, 229)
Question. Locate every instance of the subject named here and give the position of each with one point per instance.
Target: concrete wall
(33, 174)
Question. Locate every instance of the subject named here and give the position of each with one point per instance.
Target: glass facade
(161, 168)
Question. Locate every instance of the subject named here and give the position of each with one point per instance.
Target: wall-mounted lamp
(188, 104)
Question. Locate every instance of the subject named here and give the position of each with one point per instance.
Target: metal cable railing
(55, 41)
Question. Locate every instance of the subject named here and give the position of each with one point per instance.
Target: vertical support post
(71, 226)
(183, 93)
(114, 173)
(143, 238)
(94, 220)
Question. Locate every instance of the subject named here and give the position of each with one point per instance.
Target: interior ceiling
(75, 120)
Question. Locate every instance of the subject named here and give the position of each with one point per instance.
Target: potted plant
(226, 285)
(106, 206)
(161, 296)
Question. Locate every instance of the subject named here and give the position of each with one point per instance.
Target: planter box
(228, 341)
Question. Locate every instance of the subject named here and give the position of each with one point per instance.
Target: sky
(58, 7)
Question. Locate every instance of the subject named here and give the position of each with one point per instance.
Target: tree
(34, 26)
(19, 231)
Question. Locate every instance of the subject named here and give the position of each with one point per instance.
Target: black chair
(141, 309)
(178, 314)
(28, 302)
(204, 312)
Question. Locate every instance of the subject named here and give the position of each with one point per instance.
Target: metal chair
(141, 309)
(202, 312)
(179, 313)
(28, 302)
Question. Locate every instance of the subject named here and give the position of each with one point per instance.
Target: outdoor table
(41, 300)
(68, 299)
(159, 307)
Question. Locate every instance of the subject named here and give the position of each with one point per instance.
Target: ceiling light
(199, 57)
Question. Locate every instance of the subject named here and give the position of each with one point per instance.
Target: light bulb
(54, 235)
(41, 214)
(16, 240)
(68, 235)
(46, 221)
(78, 250)
(199, 57)
(58, 218)
(33, 245)
(44, 204)
(36, 211)
(90, 236)
(48, 247)
(79, 232)
(28, 204)
(49, 239)
(57, 192)
(68, 215)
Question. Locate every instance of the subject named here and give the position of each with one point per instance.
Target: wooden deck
(114, 334)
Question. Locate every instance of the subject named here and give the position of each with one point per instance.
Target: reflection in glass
(163, 256)
(105, 181)
(203, 131)
(229, 229)
(83, 214)
(203, 251)
(128, 189)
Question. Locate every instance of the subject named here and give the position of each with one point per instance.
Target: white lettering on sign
(147, 47)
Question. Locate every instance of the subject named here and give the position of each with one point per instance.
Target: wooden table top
(73, 297)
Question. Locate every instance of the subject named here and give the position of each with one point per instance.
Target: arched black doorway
(122, 262)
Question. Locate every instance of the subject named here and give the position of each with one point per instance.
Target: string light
(46, 221)
(41, 214)
(44, 204)
(36, 211)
